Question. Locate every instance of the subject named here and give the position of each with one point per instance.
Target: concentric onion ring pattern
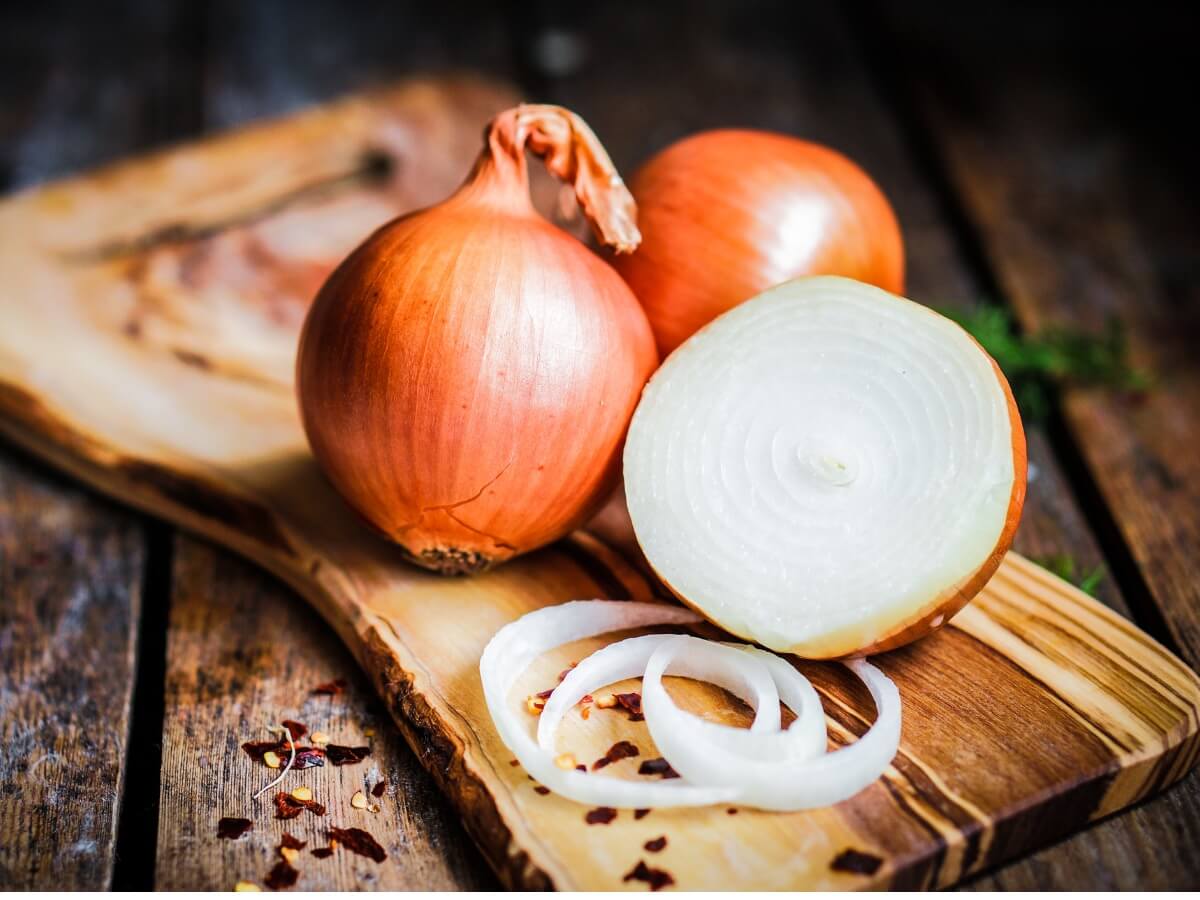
(819, 463)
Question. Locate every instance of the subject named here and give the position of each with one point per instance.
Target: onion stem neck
(571, 152)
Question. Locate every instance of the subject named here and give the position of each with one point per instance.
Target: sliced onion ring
(748, 680)
(782, 783)
(805, 738)
(762, 766)
(516, 645)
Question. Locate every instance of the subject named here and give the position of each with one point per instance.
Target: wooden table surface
(1030, 163)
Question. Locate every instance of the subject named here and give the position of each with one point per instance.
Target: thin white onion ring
(804, 739)
(762, 766)
(627, 659)
(783, 783)
(516, 645)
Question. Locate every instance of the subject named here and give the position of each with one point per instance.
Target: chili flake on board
(284, 875)
(656, 878)
(231, 828)
(617, 752)
(340, 755)
(358, 841)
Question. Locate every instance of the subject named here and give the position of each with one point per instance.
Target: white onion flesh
(821, 466)
(763, 766)
(783, 783)
(516, 645)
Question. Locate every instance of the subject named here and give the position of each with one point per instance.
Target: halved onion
(519, 643)
(785, 782)
(827, 469)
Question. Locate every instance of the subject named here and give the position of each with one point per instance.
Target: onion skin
(727, 214)
(467, 374)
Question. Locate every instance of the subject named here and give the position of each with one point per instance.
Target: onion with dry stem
(467, 374)
(827, 469)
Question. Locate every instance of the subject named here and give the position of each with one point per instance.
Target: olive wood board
(148, 320)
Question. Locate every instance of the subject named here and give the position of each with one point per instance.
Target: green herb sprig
(1064, 566)
(1033, 364)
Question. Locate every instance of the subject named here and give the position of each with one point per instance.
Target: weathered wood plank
(78, 85)
(806, 73)
(244, 652)
(274, 57)
(1075, 194)
(1084, 210)
(70, 571)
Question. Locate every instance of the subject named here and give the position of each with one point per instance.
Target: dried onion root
(827, 469)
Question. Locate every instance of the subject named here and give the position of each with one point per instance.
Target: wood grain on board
(245, 652)
(1037, 711)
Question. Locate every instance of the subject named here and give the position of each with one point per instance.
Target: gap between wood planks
(888, 76)
(137, 813)
(182, 116)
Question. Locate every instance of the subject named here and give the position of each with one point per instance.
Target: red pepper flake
(291, 843)
(544, 695)
(343, 756)
(306, 757)
(541, 789)
(657, 766)
(581, 768)
(601, 815)
(332, 688)
(322, 852)
(295, 729)
(231, 829)
(656, 845)
(731, 811)
(631, 703)
(309, 757)
(256, 749)
(586, 698)
(358, 841)
(656, 878)
(284, 875)
(585, 713)
(288, 807)
(514, 762)
(617, 752)
(856, 862)
(565, 672)
(641, 813)
(378, 790)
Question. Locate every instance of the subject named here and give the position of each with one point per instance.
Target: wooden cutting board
(148, 319)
